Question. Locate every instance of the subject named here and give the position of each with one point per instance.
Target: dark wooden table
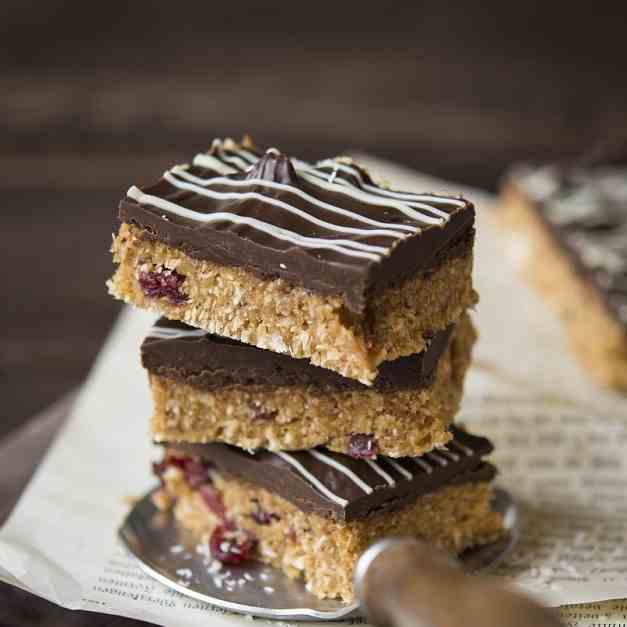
(96, 97)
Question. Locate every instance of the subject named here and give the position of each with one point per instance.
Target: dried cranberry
(232, 546)
(213, 501)
(163, 283)
(158, 468)
(196, 473)
(261, 516)
(175, 460)
(362, 446)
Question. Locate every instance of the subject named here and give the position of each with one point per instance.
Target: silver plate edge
(503, 503)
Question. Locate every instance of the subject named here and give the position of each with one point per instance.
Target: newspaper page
(560, 447)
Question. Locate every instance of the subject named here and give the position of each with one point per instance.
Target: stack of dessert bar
(310, 359)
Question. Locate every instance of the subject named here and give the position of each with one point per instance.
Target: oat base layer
(403, 422)
(322, 551)
(598, 340)
(275, 315)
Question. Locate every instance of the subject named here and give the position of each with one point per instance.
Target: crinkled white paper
(561, 447)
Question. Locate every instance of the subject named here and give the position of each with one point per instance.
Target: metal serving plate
(172, 557)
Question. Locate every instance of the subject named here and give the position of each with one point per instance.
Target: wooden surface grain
(98, 96)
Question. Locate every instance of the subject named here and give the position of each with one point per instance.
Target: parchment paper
(561, 445)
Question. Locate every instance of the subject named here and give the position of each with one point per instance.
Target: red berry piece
(196, 473)
(213, 501)
(176, 461)
(163, 283)
(158, 468)
(362, 446)
(232, 546)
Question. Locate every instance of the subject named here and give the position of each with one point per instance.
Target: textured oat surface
(404, 422)
(275, 315)
(598, 340)
(323, 551)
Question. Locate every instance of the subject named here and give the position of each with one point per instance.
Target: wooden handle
(404, 583)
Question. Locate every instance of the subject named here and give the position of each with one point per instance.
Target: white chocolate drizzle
(390, 481)
(422, 464)
(325, 459)
(433, 456)
(346, 247)
(386, 230)
(428, 462)
(213, 163)
(462, 448)
(400, 469)
(423, 201)
(452, 456)
(336, 165)
(312, 478)
(170, 333)
(226, 158)
(371, 199)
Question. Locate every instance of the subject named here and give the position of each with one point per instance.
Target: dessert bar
(573, 222)
(315, 261)
(207, 388)
(312, 513)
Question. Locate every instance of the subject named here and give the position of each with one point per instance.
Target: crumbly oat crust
(598, 340)
(325, 552)
(275, 315)
(403, 422)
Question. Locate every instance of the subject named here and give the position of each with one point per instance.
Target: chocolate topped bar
(313, 261)
(585, 209)
(339, 487)
(208, 361)
(207, 388)
(327, 227)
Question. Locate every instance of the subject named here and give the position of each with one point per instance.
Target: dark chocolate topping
(177, 351)
(586, 212)
(326, 227)
(273, 166)
(337, 486)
